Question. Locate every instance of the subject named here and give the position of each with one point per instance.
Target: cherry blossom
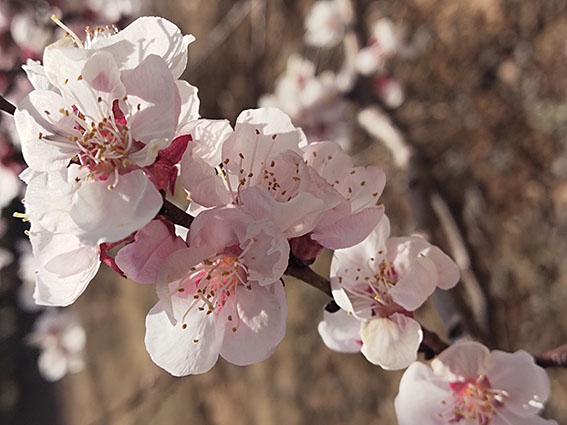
(325, 24)
(61, 339)
(313, 102)
(378, 283)
(112, 11)
(468, 384)
(270, 172)
(221, 295)
(112, 106)
(30, 35)
(385, 42)
(65, 265)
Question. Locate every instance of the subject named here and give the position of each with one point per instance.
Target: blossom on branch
(270, 172)
(378, 284)
(469, 385)
(221, 295)
(114, 103)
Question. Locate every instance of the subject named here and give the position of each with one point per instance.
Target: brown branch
(175, 214)
(7, 106)
(307, 275)
(553, 358)
(431, 345)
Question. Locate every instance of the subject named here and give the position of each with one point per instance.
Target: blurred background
(479, 90)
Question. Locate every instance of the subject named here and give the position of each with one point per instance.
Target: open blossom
(325, 24)
(110, 106)
(304, 190)
(61, 339)
(385, 42)
(222, 295)
(313, 102)
(469, 385)
(378, 284)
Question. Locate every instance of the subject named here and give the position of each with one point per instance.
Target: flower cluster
(109, 130)
(378, 284)
(105, 134)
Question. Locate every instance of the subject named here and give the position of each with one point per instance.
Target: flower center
(215, 280)
(370, 290)
(103, 146)
(475, 400)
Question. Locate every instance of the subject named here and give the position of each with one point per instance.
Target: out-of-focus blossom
(379, 283)
(314, 103)
(469, 385)
(6, 258)
(6, 14)
(113, 10)
(30, 35)
(222, 295)
(325, 24)
(389, 90)
(61, 339)
(385, 42)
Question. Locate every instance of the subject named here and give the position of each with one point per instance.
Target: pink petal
(173, 347)
(461, 361)
(205, 187)
(153, 100)
(262, 312)
(525, 382)
(422, 397)
(142, 259)
(294, 218)
(446, 268)
(349, 230)
(340, 331)
(65, 267)
(148, 35)
(110, 215)
(415, 285)
(391, 342)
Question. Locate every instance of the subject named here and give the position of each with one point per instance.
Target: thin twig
(175, 214)
(307, 275)
(553, 358)
(7, 106)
